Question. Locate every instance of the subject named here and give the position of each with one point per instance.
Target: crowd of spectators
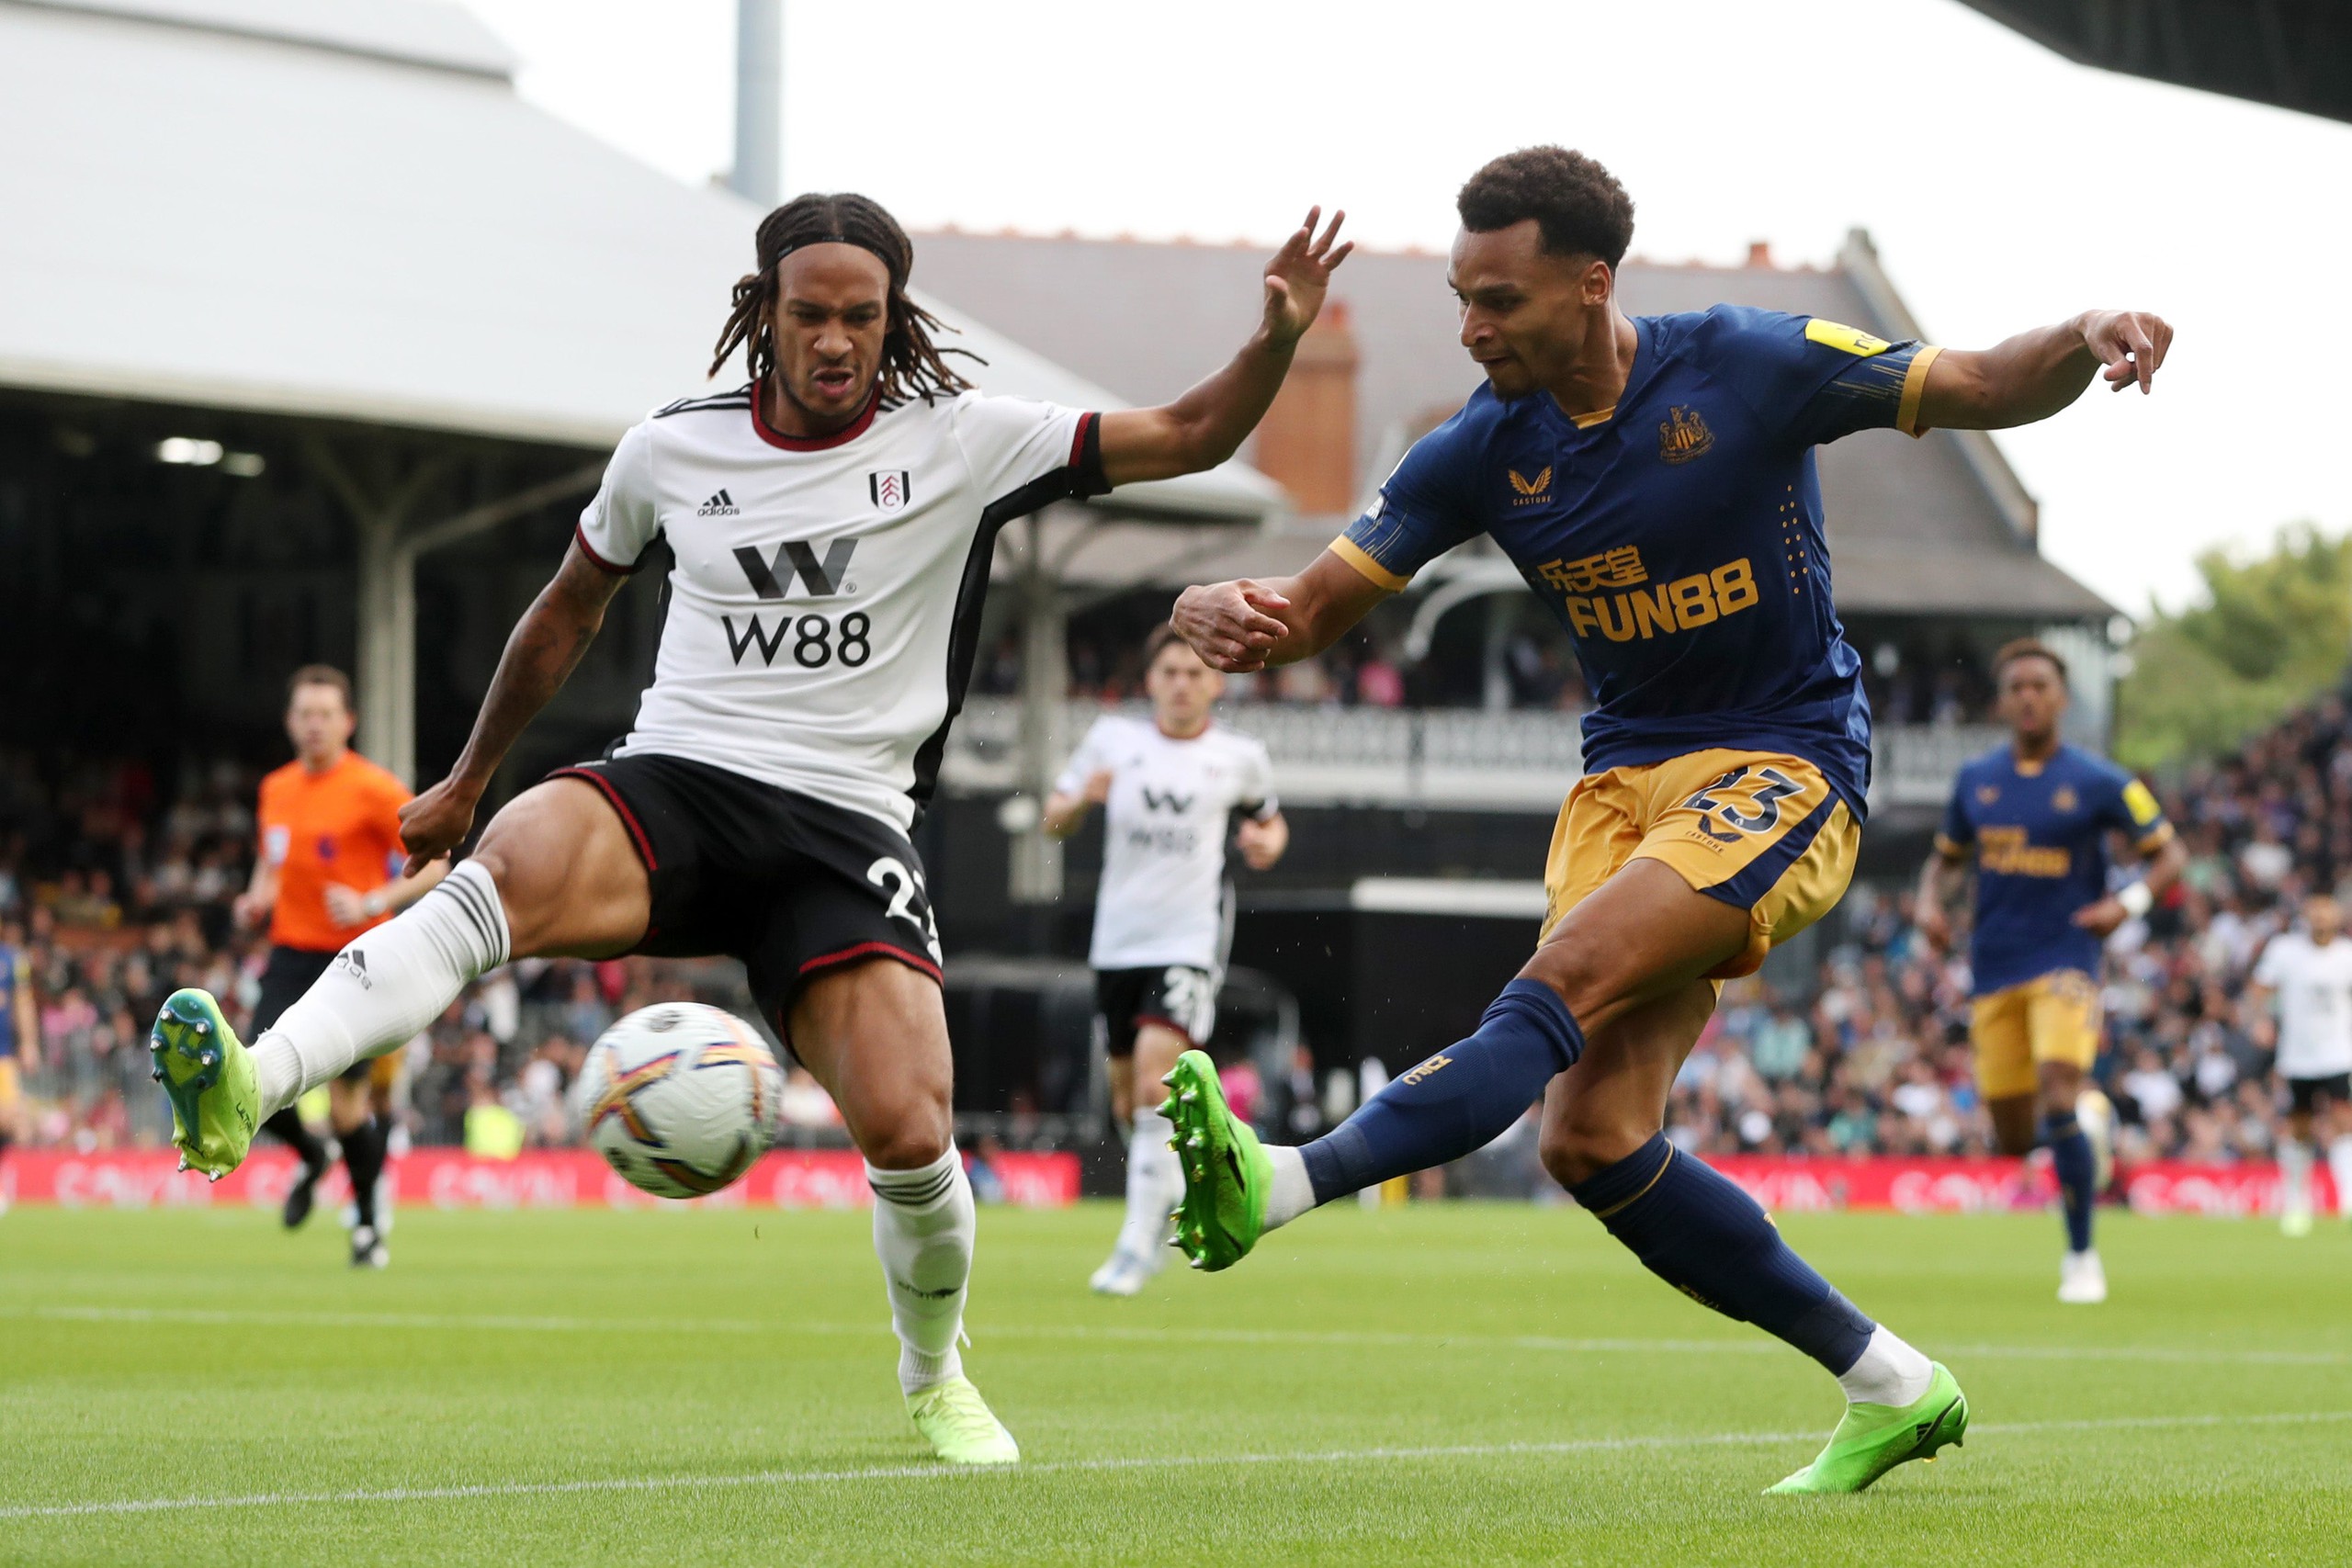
(119, 888)
(1877, 1059)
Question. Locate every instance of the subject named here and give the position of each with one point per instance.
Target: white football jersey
(2314, 987)
(825, 607)
(1163, 897)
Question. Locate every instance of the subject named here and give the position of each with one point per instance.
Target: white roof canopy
(340, 209)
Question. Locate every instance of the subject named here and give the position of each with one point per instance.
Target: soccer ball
(680, 1099)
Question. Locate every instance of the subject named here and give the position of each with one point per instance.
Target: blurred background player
(328, 868)
(2310, 973)
(2035, 815)
(1652, 479)
(19, 1036)
(1163, 914)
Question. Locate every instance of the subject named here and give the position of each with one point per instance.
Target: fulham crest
(888, 488)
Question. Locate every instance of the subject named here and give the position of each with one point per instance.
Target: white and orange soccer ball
(679, 1098)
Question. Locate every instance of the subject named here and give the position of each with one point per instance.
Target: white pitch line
(2183, 1355)
(1063, 1467)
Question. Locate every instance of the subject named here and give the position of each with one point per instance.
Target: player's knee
(911, 1141)
(2060, 1084)
(1590, 983)
(1574, 1151)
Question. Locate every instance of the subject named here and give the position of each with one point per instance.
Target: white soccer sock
(1291, 1194)
(1155, 1186)
(923, 1226)
(1890, 1372)
(2339, 1166)
(384, 988)
(2294, 1176)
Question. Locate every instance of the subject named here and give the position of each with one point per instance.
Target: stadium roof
(1942, 526)
(340, 209)
(2296, 54)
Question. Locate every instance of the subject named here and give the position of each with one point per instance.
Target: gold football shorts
(2050, 1017)
(1760, 831)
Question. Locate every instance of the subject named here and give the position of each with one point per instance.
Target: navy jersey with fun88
(1678, 536)
(2039, 830)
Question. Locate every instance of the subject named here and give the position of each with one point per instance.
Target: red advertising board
(449, 1178)
(834, 1179)
(1961, 1186)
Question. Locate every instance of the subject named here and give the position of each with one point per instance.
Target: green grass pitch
(1438, 1384)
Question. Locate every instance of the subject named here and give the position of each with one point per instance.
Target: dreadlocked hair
(912, 364)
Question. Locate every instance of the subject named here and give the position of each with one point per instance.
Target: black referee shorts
(783, 881)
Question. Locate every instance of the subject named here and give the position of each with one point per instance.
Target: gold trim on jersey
(1356, 556)
(1915, 386)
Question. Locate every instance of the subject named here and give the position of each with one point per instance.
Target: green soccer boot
(1227, 1174)
(1873, 1438)
(961, 1426)
(208, 1074)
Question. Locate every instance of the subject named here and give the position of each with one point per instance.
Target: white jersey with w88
(1163, 894)
(823, 611)
(2314, 987)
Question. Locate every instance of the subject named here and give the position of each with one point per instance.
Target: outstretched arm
(2035, 374)
(541, 653)
(1245, 625)
(1207, 425)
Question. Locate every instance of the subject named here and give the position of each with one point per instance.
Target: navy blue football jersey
(2039, 833)
(1678, 535)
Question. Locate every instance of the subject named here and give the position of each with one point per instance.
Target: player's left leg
(11, 1114)
(1603, 1140)
(2295, 1163)
(2062, 1021)
(875, 1034)
(1154, 1179)
(2339, 1142)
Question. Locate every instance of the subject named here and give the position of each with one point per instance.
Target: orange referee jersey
(340, 826)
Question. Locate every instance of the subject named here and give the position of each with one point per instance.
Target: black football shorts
(789, 885)
(1175, 996)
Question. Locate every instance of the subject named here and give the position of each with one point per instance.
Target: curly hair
(1578, 206)
(912, 364)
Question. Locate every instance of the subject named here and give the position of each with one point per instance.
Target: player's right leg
(351, 1111)
(556, 875)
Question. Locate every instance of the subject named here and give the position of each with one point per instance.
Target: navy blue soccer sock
(2070, 1158)
(1697, 1231)
(1455, 1103)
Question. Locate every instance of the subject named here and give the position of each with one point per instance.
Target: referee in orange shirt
(327, 869)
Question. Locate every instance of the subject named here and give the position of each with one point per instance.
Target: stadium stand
(121, 880)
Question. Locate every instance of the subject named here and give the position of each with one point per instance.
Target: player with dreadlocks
(829, 526)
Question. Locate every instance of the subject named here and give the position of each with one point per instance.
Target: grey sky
(2004, 187)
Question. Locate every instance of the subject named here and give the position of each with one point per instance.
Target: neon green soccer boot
(1873, 1438)
(1227, 1174)
(208, 1076)
(961, 1426)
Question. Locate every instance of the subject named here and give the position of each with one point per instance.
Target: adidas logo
(719, 505)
